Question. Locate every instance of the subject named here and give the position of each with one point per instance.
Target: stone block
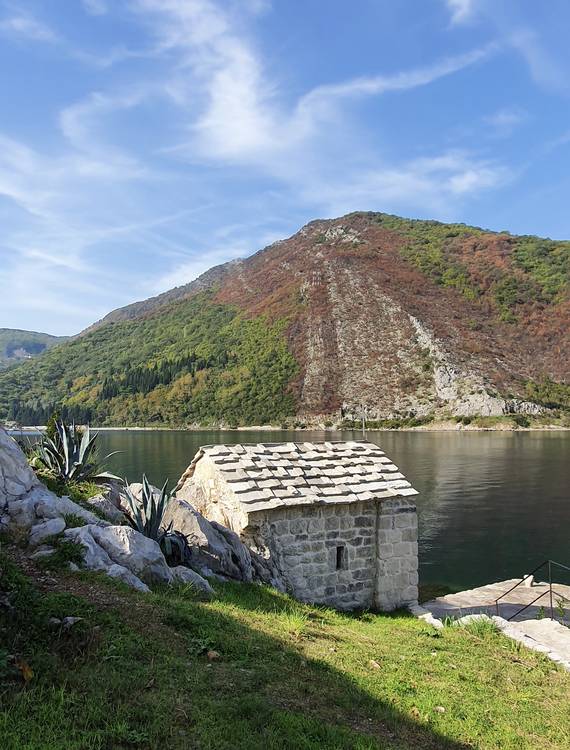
(364, 521)
(348, 534)
(406, 520)
(332, 523)
(409, 594)
(319, 557)
(298, 526)
(392, 566)
(409, 564)
(386, 522)
(315, 524)
(409, 535)
(280, 527)
(403, 549)
(385, 551)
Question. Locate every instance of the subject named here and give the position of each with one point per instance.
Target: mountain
(16, 345)
(367, 313)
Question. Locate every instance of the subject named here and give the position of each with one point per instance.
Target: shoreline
(444, 426)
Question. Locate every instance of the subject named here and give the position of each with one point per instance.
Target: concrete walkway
(531, 627)
(482, 601)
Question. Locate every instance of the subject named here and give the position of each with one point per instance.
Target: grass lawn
(135, 673)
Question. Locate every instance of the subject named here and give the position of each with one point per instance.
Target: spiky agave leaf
(146, 515)
(70, 454)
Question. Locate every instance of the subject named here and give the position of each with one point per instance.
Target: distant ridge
(17, 345)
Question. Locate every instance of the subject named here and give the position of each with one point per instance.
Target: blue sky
(143, 141)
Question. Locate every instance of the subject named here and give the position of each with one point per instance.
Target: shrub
(70, 455)
(146, 515)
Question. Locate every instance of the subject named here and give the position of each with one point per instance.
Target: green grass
(134, 673)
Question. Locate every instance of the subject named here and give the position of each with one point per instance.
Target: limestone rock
(42, 551)
(95, 557)
(42, 531)
(129, 548)
(51, 506)
(120, 572)
(105, 505)
(221, 552)
(16, 476)
(187, 575)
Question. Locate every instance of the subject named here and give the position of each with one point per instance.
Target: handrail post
(550, 582)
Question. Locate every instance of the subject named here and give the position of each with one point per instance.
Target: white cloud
(505, 120)
(25, 26)
(542, 66)
(97, 191)
(95, 7)
(432, 184)
(240, 115)
(461, 10)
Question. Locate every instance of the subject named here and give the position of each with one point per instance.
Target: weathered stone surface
(95, 557)
(103, 504)
(16, 476)
(51, 506)
(122, 553)
(182, 574)
(129, 548)
(125, 575)
(211, 546)
(29, 508)
(43, 551)
(42, 531)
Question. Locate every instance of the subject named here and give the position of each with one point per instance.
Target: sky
(144, 141)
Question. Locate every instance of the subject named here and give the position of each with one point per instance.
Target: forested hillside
(16, 345)
(198, 362)
(370, 313)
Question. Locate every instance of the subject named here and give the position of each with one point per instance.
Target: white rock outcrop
(183, 574)
(212, 547)
(28, 510)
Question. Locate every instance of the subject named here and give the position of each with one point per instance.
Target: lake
(492, 505)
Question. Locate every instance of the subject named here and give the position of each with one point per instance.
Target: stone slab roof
(263, 476)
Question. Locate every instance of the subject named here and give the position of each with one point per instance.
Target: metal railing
(548, 564)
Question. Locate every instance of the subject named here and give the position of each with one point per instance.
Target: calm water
(492, 505)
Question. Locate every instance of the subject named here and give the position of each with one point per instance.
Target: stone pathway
(482, 601)
(532, 627)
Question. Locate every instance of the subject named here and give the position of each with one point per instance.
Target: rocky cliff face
(380, 316)
(374, 332)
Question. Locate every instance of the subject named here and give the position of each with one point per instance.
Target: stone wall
(396, 554)
(325, 554)
(346, 555)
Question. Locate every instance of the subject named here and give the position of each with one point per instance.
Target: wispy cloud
(95, 7)
(24, 26)
(101, 211)
(542, 66)
(461, 10)
(505, 120)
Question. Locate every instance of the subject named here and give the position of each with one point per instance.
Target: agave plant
(71, 454)
(146, 514)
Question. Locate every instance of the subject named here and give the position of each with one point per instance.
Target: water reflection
(492, 505)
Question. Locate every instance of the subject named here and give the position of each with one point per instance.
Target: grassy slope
(132, 674)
